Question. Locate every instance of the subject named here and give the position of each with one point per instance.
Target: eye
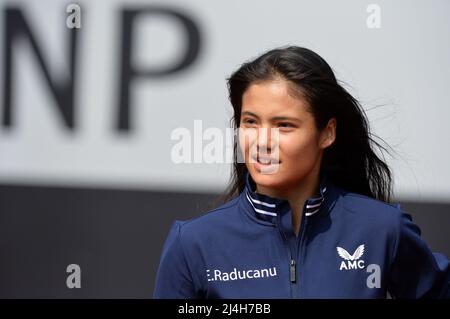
(249, 121)
(285, 125)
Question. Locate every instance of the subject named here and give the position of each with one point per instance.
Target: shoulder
(211, 222)
(373, 210)
(368, 217)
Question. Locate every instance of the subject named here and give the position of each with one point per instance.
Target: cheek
(299, 149)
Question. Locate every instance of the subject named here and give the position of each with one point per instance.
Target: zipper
(293, 271)
(300, 239)
(292, 262)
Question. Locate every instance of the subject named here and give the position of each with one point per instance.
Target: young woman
(308, 214)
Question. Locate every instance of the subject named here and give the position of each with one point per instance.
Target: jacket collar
(267, 208)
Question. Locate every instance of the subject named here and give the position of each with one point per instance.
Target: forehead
(273, 97)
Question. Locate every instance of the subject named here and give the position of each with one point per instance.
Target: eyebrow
(276, 118)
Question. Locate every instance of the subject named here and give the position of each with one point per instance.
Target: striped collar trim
(267, 207)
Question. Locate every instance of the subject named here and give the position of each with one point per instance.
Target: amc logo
(351, 261)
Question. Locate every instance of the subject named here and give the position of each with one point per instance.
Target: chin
(266, 180)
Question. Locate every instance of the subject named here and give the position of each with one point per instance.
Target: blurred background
(91, 93)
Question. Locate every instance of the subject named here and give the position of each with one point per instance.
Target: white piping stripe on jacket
(312, 213)
(262, 203)
(315, 205)
(260, 210)
(308, 206)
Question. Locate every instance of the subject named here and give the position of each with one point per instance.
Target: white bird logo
(356, 255)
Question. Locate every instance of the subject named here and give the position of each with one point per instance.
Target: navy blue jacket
(349, 246)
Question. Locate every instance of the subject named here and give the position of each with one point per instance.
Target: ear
(328, 134)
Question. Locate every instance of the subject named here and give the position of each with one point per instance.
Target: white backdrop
(399, 72)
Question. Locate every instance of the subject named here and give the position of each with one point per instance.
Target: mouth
(265, 160)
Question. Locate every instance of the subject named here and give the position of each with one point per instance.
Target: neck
(296, 195)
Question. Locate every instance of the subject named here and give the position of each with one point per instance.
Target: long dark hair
(350, 162)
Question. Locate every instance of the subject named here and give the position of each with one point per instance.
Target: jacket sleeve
(173, 279)
(417, 272)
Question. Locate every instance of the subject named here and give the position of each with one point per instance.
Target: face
(279, 139)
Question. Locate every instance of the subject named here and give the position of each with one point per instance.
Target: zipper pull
(293, 271)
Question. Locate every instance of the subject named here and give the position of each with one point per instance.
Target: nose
(267, 138)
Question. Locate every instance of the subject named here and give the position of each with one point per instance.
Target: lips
(265, 160)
